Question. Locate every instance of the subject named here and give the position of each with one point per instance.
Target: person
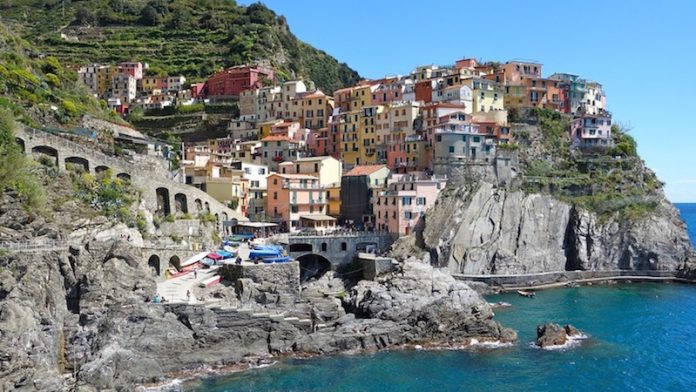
(239, 260)
(195, 273)
(188, 295)
(147, 299)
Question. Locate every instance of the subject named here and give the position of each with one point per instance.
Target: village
(373, 156)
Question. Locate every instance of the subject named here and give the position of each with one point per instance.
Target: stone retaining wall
(285, 275)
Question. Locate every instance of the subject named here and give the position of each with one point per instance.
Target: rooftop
(364, 170)
(295, 176)
(276, 138)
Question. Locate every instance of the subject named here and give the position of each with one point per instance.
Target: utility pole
(62, 6)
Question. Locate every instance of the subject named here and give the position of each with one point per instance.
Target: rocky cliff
(75, 317)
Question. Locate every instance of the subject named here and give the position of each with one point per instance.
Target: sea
(640, 337)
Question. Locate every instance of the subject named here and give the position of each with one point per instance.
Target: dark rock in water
(553, 335)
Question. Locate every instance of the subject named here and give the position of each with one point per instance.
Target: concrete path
(174, 290)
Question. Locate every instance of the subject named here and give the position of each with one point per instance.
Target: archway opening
(324, 247)
(181, 203)
(45, 155)
(124, 176)
(154, 263)
(21, 144)
(175, 262)
(101, 169)
(300, 247)
(344, 246)
(199, 205)
(207, 207)
(313, 266)
(78, 164)
(163, 207)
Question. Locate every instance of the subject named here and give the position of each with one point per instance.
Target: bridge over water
(159, 192)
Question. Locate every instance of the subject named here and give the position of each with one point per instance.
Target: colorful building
(232, 81)
(404, 201)
(327, 169)
(357, 188)
(291, 196)
(277, 149)
(592, 130)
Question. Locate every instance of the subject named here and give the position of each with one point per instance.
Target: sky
(641, 52)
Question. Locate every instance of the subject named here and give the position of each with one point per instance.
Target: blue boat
(225, 254)
(256, 254)
(278, 248)
(279, 259)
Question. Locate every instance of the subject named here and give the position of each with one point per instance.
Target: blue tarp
(261, 253)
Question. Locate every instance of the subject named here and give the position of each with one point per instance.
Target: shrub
(69, 108)
(53, 80)
(169, 218)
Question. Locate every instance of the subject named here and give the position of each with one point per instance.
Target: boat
(256, 254)
(525, 293)
(278, 248)
(224, 254)
(277, 259)
(230, 250)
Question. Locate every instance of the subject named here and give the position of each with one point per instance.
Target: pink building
(404, 200)
(589, 131)
(134, 69)
(291, 130)
(294, 196)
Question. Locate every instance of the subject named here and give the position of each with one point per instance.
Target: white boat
(194, 259)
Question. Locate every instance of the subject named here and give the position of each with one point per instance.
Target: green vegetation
(207, 217)
(16, 170)
(109, 195)
(607, 182)
(193, 38)
(36, 87)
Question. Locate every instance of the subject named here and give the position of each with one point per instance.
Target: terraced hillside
(189, 37)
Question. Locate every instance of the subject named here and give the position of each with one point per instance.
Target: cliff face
(481, 229)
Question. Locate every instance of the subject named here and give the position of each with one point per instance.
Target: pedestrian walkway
(174, 290)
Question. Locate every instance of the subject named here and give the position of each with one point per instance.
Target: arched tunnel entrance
(77, 163)
(50, 154)
(181, 203)
(175, 262)
(163, 207)
(313, 266)
(154, 263)
(20, 142)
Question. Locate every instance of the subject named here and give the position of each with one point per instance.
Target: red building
(232, 81)
(424, 91)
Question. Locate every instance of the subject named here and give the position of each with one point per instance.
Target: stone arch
(344, 246)
(369, 247)
(217, 218)
(207, 207)
(313, 265)
(40, 151)
(300, 248)
(101, 169)
(225, 217)
(324, 247)
(199, 205)
(78, 161)
(154, 263)
(124, 176)
(163, 206)
(180, 203)
(21, 144)
(175, 262)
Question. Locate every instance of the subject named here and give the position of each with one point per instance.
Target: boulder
(553, 335)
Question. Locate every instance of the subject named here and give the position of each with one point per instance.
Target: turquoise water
(641, 337)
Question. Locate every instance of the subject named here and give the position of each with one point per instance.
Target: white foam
(489, 343)
(172, 385)
(573, 341)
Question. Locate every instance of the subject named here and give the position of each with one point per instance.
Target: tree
(85, 17)
(150, 17)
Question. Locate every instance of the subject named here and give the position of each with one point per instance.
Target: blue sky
(642, 52)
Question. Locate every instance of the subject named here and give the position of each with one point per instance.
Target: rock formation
(552, 335)
(76, 317)
(482, 229)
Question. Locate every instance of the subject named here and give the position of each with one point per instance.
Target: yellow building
(265, 128)
(105, 76)
(333, 193)
(312, 110)
(349, 137)
(367, 134)
(488, 96)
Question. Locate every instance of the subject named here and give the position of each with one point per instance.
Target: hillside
(38, 90)
(193, 38)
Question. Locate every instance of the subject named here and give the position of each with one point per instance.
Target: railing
(34, 246)
(340, 233)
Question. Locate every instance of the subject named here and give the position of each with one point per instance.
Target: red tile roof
(364, 170)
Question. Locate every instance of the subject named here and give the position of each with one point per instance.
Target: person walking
(195, 273)
(188, 296)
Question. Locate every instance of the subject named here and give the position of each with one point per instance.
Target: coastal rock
(498, 231)
(553, 335)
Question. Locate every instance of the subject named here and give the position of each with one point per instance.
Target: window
(439, 138)
(262, 171)
(344, 246)
(275, 181)
(420, 201)
(477, 139)
(406, 201)
(408, 215)
(275, 195)
(451, 149)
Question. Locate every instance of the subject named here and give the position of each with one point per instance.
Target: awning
(318, 217)
(257, 225)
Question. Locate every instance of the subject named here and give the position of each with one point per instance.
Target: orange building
(292, 196)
